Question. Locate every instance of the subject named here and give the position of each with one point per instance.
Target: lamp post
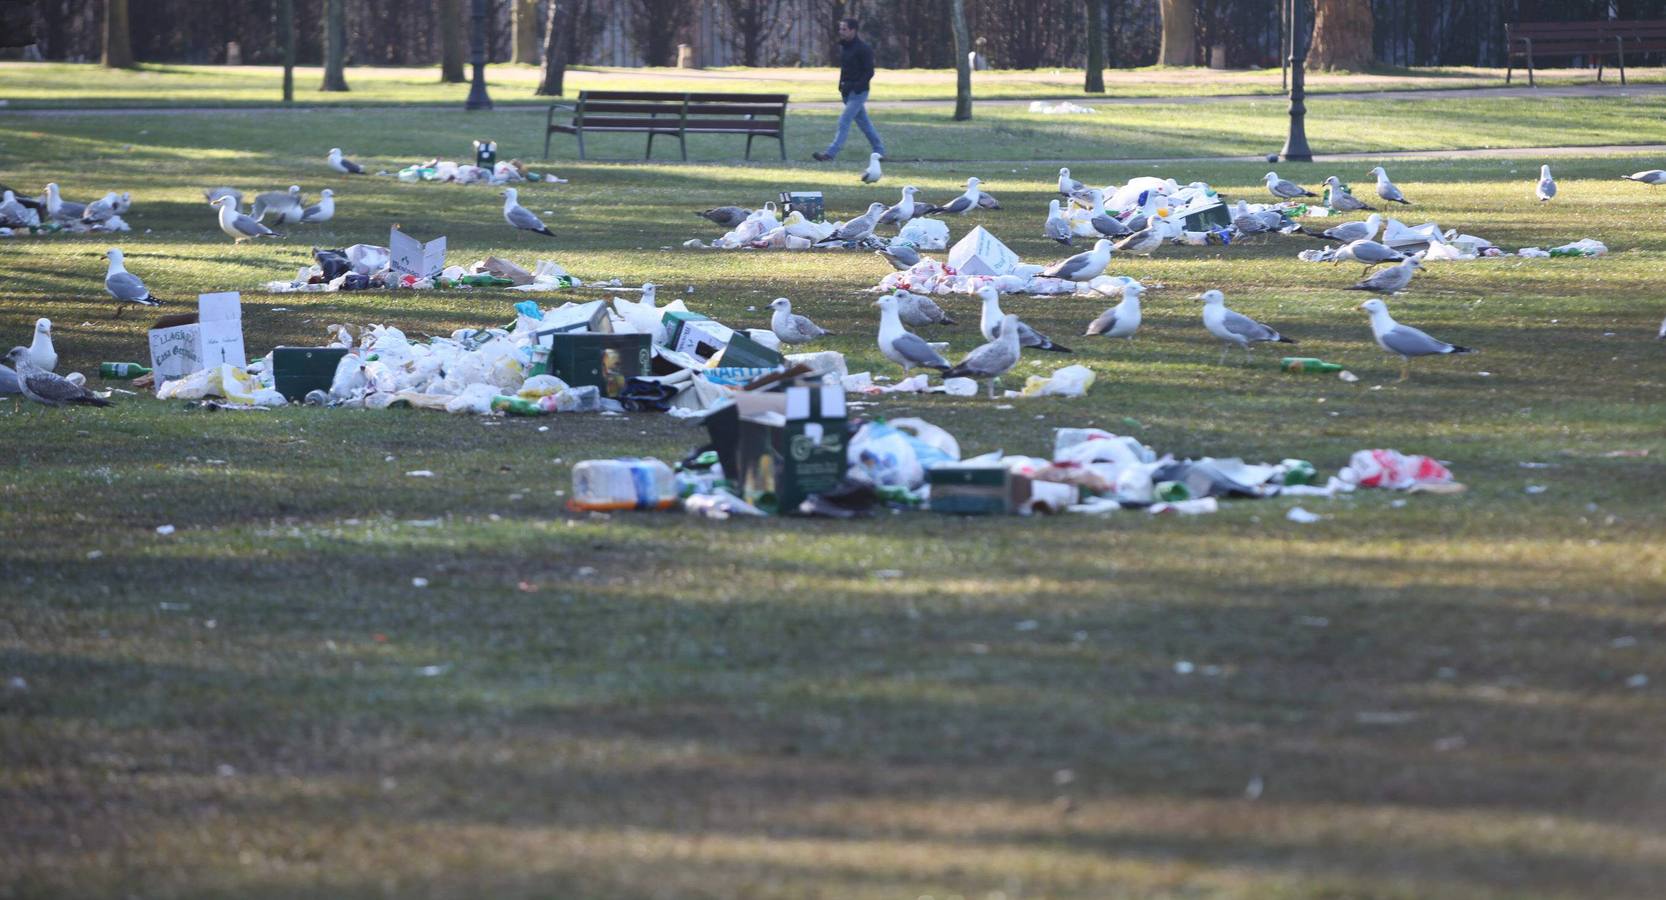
(477, 55)
(1295, 144)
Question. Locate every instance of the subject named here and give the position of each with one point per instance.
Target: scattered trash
(1394, 470)
(1061, 108)
(164, 530)
(419, 473)
(1302, 516)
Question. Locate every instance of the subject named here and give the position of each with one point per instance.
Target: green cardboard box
(714, 343)
(604, 360)
(298, 371)
(976, 490)
(779, 447)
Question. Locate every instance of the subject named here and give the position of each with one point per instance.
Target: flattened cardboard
(409, 256)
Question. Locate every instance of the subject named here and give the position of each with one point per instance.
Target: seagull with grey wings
(342, 164)
(990, 323)
(1286, 190)
(902, 256)
(1391, 280)
(14, 214)
(1146, 241)
(1367, 253)
(1348, 232)
(1056, 228)
(994, 359)
(1404, 341)
(41, 351)
(1546, 188)
(47, 388)
(322, 211)
(101, 210)
(1083, 266)
(287, 205)
(790, 327)
(1102, 221)
(962, 204)
(860, 227)
(1649, 176)
(902, 347)
(1343, 199)
(727, 216)
(519, 216)
(1121, 320)
(872, 173)
(919, 310)
(239, 227)
(1386, 188)
(1068, 185)
(1235, 329)
(1257, 222)
(901, 211)
(125, 286)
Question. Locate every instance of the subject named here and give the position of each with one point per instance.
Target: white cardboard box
(216, 337)
(409, 256)
(981, 253)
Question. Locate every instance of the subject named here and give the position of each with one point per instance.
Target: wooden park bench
(665, 114)
(1529, 40)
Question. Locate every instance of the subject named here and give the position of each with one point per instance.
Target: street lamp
(1295, 144)
(477, 55)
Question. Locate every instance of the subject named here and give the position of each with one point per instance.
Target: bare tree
(1341, 36)
(118, 41)
(556, 24)
(525, 13)
(654, 25)
(962, 60)
(451, 41)
(752, 22)
(1096, 48)
(335, 46)
(1179, 33)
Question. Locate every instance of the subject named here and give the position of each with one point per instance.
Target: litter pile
(803, 228)
(980, 259)
(369, 267)
(445, 171)
(50, 214)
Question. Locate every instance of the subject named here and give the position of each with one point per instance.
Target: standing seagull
(902, 210)
(1348, 232)
(1341, 198)
(1083, 266)
(1391, 280)
(280, 202)
(1286, 190)
(991, 323)
(45, 388)
(100, 210)
(41, 351)
(1056, 227)
(1068, 185)
(1146, 241)
(323, 210)
(239, 227)
(994, 359)
(1102, 221)
(1367, 253)
(1234, 329)
(901, 347)
(1651, 176)
(902, 257)
(342, 164)
(791, 328)
(860, 227)
(1544, 190)
(1386, 188)
(962, 204)
(125, 286)
(918, 310)
(59, 208)
(519, 216)
(1259, 222)
(872, 174)
(1404, 340)
(1121, 320)
(727, 216)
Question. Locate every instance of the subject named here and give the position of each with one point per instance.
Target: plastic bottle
(485, 280)
(516, 406)
(1171, 491)
(606, 484)
(1299, 471)
(121, 370)
(1307, 364)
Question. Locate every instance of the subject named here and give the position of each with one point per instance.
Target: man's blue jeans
(856, 110)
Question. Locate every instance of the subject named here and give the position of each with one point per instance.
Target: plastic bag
(1070, 381)
(1393, 470)
(882, 455)
(476, 398)
(540, 386)
(925, 234)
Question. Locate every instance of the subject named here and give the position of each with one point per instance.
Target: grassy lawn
(1435, 699)
(72, 85)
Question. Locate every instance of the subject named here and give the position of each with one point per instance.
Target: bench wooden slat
(1530, 40)
(669, 114)
(729, 110)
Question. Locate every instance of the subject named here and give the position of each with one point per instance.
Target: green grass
(1434, 696)
(32, 85)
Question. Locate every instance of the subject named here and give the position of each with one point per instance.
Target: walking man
(855, 71)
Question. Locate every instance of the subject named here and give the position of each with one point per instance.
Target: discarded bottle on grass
(1171, 491)
(1299, 471)
(516, 406)
(485, 280)
(121, 370)
(1307, 364)
(605, 484)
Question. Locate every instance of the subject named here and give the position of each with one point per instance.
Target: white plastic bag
(476, 399)
(882, 455)
(1070, 381)
(926, 234)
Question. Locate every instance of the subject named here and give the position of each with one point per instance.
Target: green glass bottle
(516, 406)
(1307, 364)
(121, 370)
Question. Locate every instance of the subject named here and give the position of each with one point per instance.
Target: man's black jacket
(855, 67)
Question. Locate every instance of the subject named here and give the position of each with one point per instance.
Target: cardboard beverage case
(298, 371)
(409, 256)
(574, 317)
(713, 343)
(809, 203)
(182, 344)
(604, 360)
(782, 446)
(981, 253)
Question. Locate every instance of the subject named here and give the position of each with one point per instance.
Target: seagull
(1404, 340)
(1068, 185)
(902, 210)
(284, 203)
(8, 384)
(991, 323)
(901, 256)
(1386, 188)
(1234, 329)
(871, 174)
(861, 226)
(1367, 253)
(1651, 176)
(519, 216)
(1056, 228)
(44, 387)
(1102, 221)
(962, 204)
(901, 347)
(239, 227)
(41, 352)
(61, 209)
(1341, 198)
(727, 216)
(342, 164)
(213, 194)
(12, 213)
(919, 310)
(1544, 190)
(1121, 320)
(323, 210)
(1391, 280)
(101, 210)
(1286, 190)
(123, 203)
(791, 328)
(994, 359)
(1083, 266)
(1257, 222)
(1146, 241)
(125, 286)
(986, 200)
(1348, 232)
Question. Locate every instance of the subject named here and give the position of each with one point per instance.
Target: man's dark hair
(852, 24)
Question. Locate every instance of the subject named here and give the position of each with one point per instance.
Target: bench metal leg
(1530, 81)
(1509, 68)
(749, 148)
(581, 143)
(683, 142)
(1620, 51)
(650, 153)
(782, 137)
(547, 134)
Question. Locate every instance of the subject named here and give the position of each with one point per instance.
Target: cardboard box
(779, 447)
(809, 203)
(409, 256)
(713, 343)
(744, 353)
(1206, 218)
(297, 371)
(981, 253)
(182, 344)
(574, 317)
(604, 360)
(971, 490)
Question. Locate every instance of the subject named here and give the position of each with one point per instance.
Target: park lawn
(1438, 698)
(63, 85)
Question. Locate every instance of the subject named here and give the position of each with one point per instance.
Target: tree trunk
(1341, 36)
(286, 38)
(335, 45)
(451, 42)
(526, 31)
(962, 60)
(555, 49)
(118, 41)
(1096, 48)
(1179, 33)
